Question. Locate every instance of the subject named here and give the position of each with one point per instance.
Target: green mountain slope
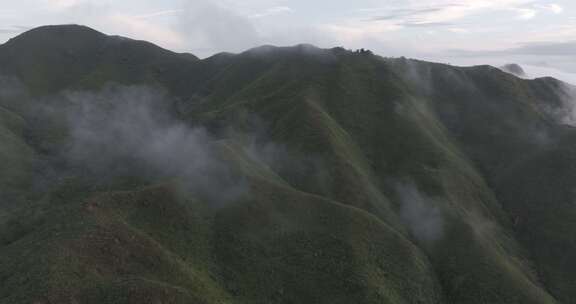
(278, 175)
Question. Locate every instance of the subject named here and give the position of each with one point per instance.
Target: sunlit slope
(367, 180)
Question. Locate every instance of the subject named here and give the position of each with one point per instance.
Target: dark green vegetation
(333, 177)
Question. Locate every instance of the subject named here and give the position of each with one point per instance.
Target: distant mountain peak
(72, 36)
(59, 31)
(514, 69)
(53, 57)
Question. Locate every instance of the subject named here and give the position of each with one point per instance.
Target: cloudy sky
(539, 34)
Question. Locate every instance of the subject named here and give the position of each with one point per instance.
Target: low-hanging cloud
(132, 134)
(121, 137)
(565, 113)
(420, 213)
(128, 130)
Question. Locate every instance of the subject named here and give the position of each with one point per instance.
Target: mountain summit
(133, 174)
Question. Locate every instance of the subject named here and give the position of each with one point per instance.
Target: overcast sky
(538, 34)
